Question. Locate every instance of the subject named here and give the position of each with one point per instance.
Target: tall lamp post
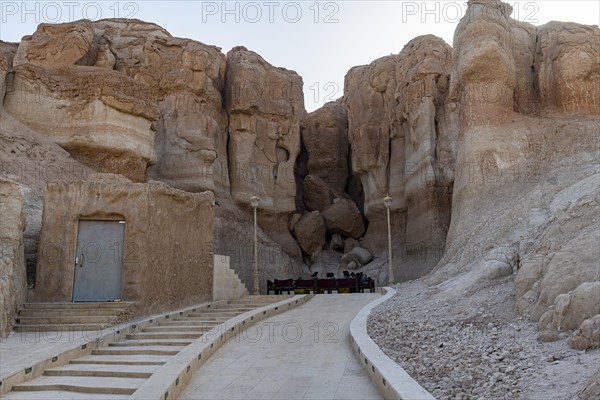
(388, 203)
(254, 201)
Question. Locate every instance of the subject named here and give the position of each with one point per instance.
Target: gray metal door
(98, 261)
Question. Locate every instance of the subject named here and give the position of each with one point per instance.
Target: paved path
(303, 353)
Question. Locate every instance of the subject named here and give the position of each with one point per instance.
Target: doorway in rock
(98, 261)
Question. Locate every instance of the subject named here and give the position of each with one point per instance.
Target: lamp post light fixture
(254, 201)
(388, 203)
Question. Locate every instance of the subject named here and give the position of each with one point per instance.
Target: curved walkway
(303, 353)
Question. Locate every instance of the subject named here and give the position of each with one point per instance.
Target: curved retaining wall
(390, 378)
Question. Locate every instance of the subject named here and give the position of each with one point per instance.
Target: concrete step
(208, 317)
(152, 342)
(74, 319)
(138, 350)
(147, 359)
(164, 335)
(178, 329)
(194, 322)
(67, 312)
(62, 395)
(103, 370)
(61, 327)
(215, 312)
(90, 305)
(82, 384)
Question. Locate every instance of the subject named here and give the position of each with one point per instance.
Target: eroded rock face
(326, 142)
(567, 62)
(57, 45)
(13, 286)
(266, 111)
(101, 117)
(588, 335)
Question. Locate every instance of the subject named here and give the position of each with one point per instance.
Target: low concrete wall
(390, 378)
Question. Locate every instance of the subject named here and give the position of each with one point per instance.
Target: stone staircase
(49, 317)
(117, 370)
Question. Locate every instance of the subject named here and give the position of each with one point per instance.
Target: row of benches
(348, 285)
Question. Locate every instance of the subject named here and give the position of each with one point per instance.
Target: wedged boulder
(57, 45)
(315, 194)
(343, 217)
(311, 233)
(266, 110)
(588, 334)
(326, 142)
(359, 256)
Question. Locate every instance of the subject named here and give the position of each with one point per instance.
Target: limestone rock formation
(567, 62)
(12, 262)
(311, 233)
(266, 111)
(103, 118)
(57, 45)
(326, 142)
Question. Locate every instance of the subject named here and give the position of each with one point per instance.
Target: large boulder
(311, 233)
(316, 194)
(588, 334)
(326, 143)
(343, 217)
(359, 256)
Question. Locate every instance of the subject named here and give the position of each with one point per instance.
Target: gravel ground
(475, 346)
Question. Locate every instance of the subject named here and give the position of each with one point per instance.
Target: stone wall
(13, 287)
(168, 256)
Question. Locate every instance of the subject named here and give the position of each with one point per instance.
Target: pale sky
(321, 40)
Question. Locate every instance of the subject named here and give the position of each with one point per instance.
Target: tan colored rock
(152, 212)
(311, 233)
(7, 54)
(103, 118)
(316, 194)
(344, 218)
(326, 142)
(588, 335)
(571, 309)
(266, 110)
(57, 45)
(567, 61)
(13, 286)
(484, 72)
